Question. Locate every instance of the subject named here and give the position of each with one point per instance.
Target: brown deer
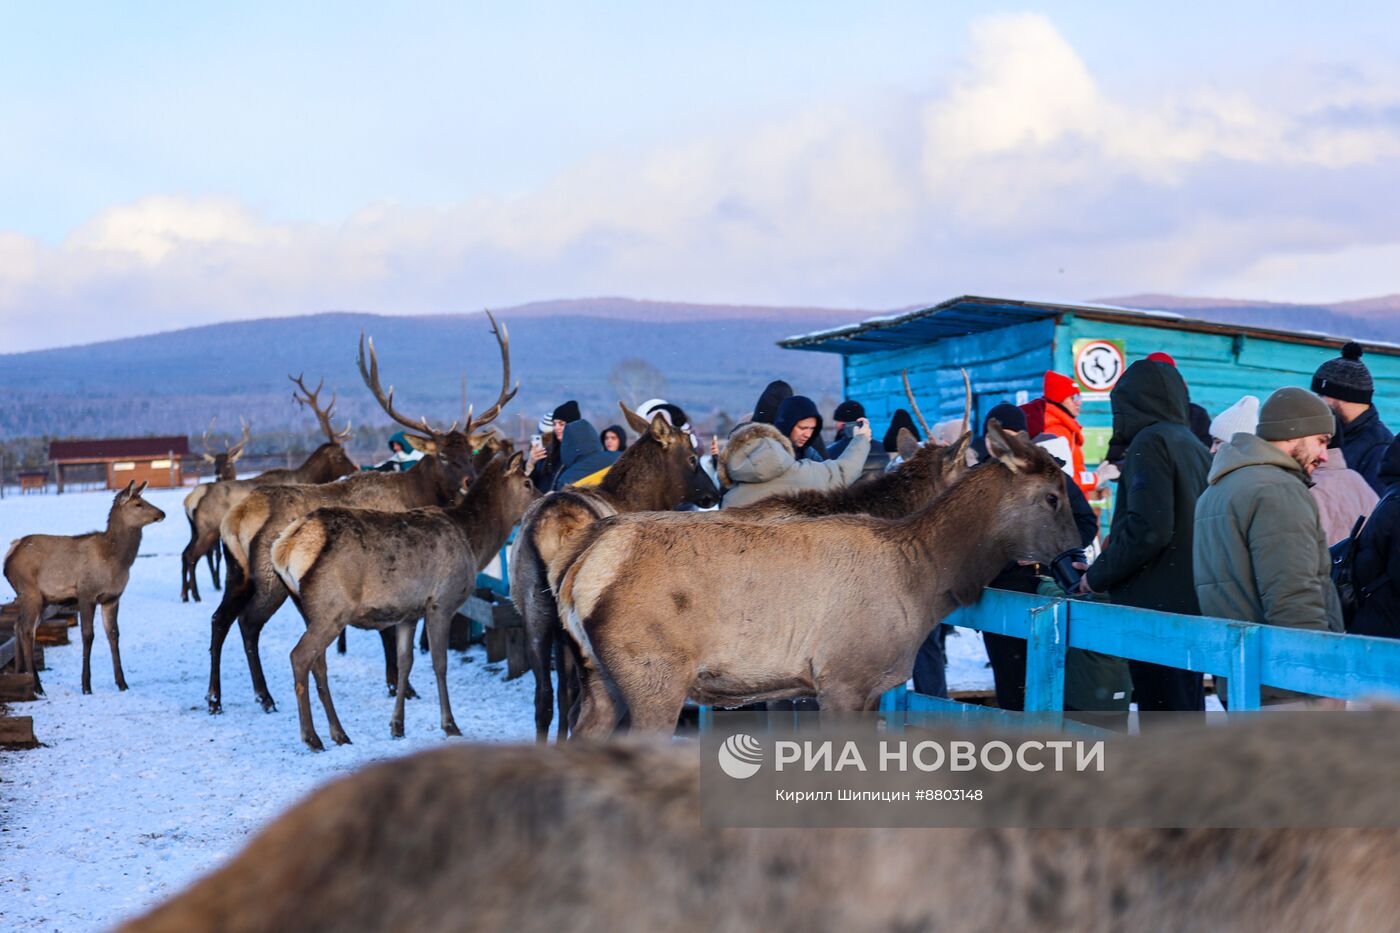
(730, 612)
(657, 473)
(326, 463)
(82, 571)
(255, 591)
(385, 570)
(597, 837)
(223, 465)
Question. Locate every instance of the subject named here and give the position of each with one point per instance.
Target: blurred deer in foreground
(604, 837)
(83, 571)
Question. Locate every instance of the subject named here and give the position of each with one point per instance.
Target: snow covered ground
(135, 794)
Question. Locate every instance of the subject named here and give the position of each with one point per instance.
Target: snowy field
(135, 794)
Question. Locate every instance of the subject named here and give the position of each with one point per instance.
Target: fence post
(1244, 668)
(1045, 658)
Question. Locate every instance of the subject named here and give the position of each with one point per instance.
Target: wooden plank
(1045, 658)
(8, 648)
(16, 688)
(17, 732)
(52, 632)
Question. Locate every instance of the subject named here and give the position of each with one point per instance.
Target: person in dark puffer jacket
(581, 454)
(1147, 559)
(1346, 386)
(801, 423)
(1378, 557)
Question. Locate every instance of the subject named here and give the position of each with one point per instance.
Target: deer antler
(928, 435)
(507, 393)
(370, 374)
(311, 399)
(204, 441)
(967, 405)
(236, 451)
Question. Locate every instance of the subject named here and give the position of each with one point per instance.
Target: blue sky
(276, 159)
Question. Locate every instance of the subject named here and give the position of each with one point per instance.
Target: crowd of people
(1235, 516)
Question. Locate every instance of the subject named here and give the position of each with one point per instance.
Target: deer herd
(630, 610)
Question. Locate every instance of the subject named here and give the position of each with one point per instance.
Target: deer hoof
(396, 729)
(451, 729)
(268, 704)
(313, 742)
(340, 738)
(215, 707)
(409, 693)
(87, 690)
(121, 685)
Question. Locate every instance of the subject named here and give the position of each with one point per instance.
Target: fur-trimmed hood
(756, 453)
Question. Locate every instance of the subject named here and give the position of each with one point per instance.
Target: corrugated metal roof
(971, 314)
(119, 448)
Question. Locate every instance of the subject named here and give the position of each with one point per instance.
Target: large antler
(204, 441)
(236, 450)
(928, 435)
(369, 372)
(967, 404)
(507, 393)
(311, 399)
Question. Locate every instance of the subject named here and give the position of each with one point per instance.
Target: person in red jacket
(1057, 412)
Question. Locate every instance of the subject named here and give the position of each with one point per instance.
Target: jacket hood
(580, 440)
(616, 429)
(756, 453)
(1149, 393)
(794, 409)
(901, 419)
(1246, 450)
(403, 440)
(765, 410)
(1390, 463)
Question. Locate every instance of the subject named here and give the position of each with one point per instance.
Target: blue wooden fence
(1250, 655)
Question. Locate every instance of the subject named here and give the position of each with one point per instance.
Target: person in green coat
(1147, 559)
(1260, 553)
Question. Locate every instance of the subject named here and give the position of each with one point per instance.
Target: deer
(657, 473)
(382, 570)
(928, 469)
(255, 591)
(223, 465)
(728, 612)
(609, 836)
(327, 462)
(83, 571)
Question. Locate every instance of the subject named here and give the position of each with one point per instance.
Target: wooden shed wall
(999, 362)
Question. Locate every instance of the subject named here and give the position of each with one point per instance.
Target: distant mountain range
(1368, 319)
(706, 358)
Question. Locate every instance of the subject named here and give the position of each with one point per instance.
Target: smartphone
(535, 440)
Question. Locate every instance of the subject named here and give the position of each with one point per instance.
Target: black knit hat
(848, 411)
(568, 412)
(1345, 378)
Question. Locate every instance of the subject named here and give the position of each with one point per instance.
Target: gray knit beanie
(1294, 412)
(1345, 378)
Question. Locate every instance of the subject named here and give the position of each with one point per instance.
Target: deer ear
(142, 488)
(1010, 450)
(126, 492)
(661, 429)
(428, 445)
(906, 443)
(516, 464)
(634, 421)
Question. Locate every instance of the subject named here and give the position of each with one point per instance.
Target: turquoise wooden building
(1007, 345)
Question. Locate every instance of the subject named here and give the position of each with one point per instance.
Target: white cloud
(1024, 173)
